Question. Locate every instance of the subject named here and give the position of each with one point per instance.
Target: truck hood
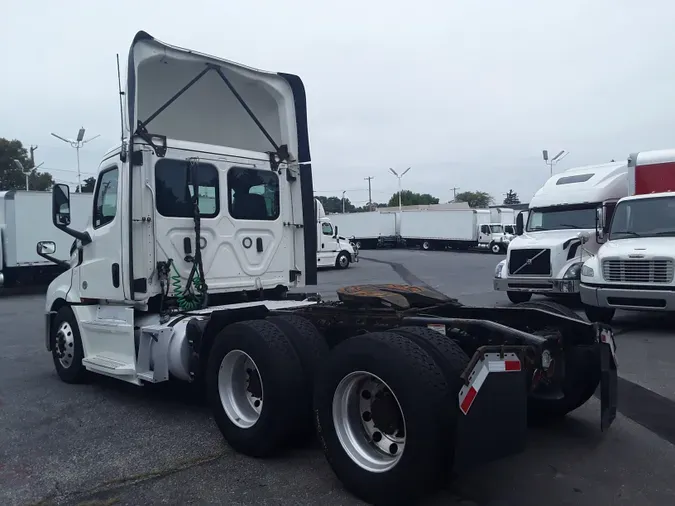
(645, 247)
(546, 239)
(209, 109)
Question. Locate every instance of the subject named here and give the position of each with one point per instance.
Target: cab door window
(327, 229)
(105, 198)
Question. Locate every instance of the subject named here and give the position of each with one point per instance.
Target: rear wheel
(379, 404)
(342, 261)
(312, 350)
(495, 248)
(599, 314)
(426, 245)
(255, 386)
(518, 297)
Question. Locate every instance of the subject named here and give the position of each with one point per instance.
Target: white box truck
(461, 229)
(25, 218)
(368, 230)
(546, 255)
(633, 269)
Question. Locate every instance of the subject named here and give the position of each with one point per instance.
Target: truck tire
(66, 345)
(254, 383)
(452, 361)
(371, 386)
(552, 307)
(426, 245)
(342, 260)
(495, 248)
(312, 350)
(519, 297)
(599, 314)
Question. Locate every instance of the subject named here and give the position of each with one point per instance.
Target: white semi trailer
(204, 218)
(369, 230)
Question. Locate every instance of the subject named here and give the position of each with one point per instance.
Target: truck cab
(332, 250)
(633, 269)
(550, 247)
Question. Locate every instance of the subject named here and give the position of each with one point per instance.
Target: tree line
(13, 178)
(475, 199)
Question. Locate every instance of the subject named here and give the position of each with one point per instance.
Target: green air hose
(187, 299)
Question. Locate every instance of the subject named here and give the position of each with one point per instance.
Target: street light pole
(77, 144)
(400, 188)
(343, 201)
(553, 160)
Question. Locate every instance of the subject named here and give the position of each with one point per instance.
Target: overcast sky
(466, 93)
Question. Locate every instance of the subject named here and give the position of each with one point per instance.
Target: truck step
(108, 365)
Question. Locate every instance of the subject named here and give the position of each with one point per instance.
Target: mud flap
(608, 378)
(492, 419)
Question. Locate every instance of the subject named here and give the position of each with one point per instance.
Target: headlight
(499, 268)
(574, 272)
(586, 271)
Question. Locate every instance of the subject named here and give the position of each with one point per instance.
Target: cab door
(100, 272)
(327, 245)
(484, 236)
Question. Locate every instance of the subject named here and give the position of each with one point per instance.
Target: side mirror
(335, 230)
(600, 224)
(584, 237)
(45, 248)
(61, 213)
(520, 227)
(61, 205)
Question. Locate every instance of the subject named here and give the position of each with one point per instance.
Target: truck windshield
(497, 229)
(649, 217)
(561, 218)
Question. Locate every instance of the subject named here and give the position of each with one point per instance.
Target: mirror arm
(83, 237)
(62, 263)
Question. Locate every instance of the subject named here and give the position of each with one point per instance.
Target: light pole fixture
(77, 144)
(399, 183)
(555, 159)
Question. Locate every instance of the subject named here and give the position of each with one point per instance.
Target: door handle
(116, 275)
(259, 244)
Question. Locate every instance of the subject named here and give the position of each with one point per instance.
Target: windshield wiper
(665, 232)
(627, 232)
(567, 225)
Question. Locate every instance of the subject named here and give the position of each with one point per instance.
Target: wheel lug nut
(377, 437)
(393, 448)
(367, 417)
(366, 394)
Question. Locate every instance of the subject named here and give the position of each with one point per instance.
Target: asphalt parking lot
(110, 443)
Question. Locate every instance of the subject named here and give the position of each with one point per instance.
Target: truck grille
(540, 262)
(638, 271)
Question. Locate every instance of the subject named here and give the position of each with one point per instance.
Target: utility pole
(343, 201)
(32, 154)
(370, 194)
(454, 192)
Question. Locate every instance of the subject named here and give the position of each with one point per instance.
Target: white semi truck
(461, 229)
(204, 218)
(332, 250)
(633, 269)
(24, 220)
(559, 235)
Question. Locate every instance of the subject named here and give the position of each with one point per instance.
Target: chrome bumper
(626, 298)
(561, 286)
